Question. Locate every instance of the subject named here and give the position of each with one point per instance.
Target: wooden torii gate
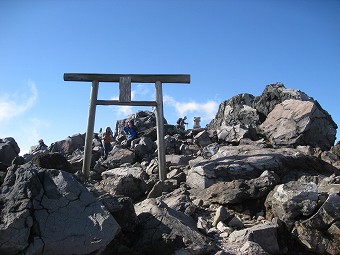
(125, 99)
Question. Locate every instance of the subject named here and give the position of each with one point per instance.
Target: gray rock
(162, 186)
(235, 111)
(126, 181)
(167, 231)
(53, 160)
(275, 94)
(251, 248)
(122, 209)
(236, 222)
(234, 134)
(295, 122)
(47, 211)
(220, 215)
(180, 200)
(178, 160)
(292, 200)
(265, 235)
(69, 144)
(118, 156)
(239, 191)
(202, 139)
(9, 149)
(320, 233)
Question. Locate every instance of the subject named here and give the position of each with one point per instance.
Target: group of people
(107, 137)
(130, 131)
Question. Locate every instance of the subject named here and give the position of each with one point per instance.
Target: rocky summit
(261, 178)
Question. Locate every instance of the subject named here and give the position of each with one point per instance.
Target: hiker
(130, 131)
(41, 146)
(107, 138)
(181, 123)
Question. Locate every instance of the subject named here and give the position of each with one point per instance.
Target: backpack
(179, 121)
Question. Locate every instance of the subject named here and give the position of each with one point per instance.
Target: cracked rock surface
(47, 211)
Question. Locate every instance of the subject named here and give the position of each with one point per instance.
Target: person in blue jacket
(131, 132)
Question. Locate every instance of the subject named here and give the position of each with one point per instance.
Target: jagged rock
(251, 248)
(180, 200)
(292, 200)
(127, 181)
(69, 144)
(125, 214)
(336, 149)
(143, 146)
(249, 161)
(239, 191)
(265, 235)
(321, 232)
(295, 122)
(118, 156)
(9, 149)
(210, 150)
(46, 211)
(220, 215)
(152, 168)
(178, 160)
(234, 134)
(167, 231)
(275, 94)
(52, 160)
(202, 138)
(235, 111)
(236, 222)
(162, 186)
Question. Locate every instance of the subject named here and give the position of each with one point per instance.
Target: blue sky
(227, 46)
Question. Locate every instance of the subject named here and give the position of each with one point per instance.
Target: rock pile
(242, 185)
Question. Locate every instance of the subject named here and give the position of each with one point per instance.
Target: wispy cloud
(31, 133)
(205, 110)
(11, 105)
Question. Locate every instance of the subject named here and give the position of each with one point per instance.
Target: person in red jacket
(107, 138)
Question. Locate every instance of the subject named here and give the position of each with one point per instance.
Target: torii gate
(125, 99)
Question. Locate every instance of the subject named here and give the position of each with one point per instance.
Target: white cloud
(31, 133)
(12, 105)
(206, 111)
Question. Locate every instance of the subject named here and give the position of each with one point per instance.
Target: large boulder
(168, 231)
(239, 191)
(9, 149)
(291, 201)
(46, 211)
(295, 122)
(265, 235)
(234, 134)
(275, 94)
(118, 156)
(69, 144)
(53, 160)
(250, 161)
(127, 181)
(321, 232)
(235, 111)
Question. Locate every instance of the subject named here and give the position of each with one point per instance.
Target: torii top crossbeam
(125, 99)
(140, 78)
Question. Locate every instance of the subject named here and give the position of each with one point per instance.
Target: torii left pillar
(125, 99)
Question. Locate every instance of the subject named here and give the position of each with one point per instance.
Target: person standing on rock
(107, 138)
(40, 147)
(131, 132)
(181, 123)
